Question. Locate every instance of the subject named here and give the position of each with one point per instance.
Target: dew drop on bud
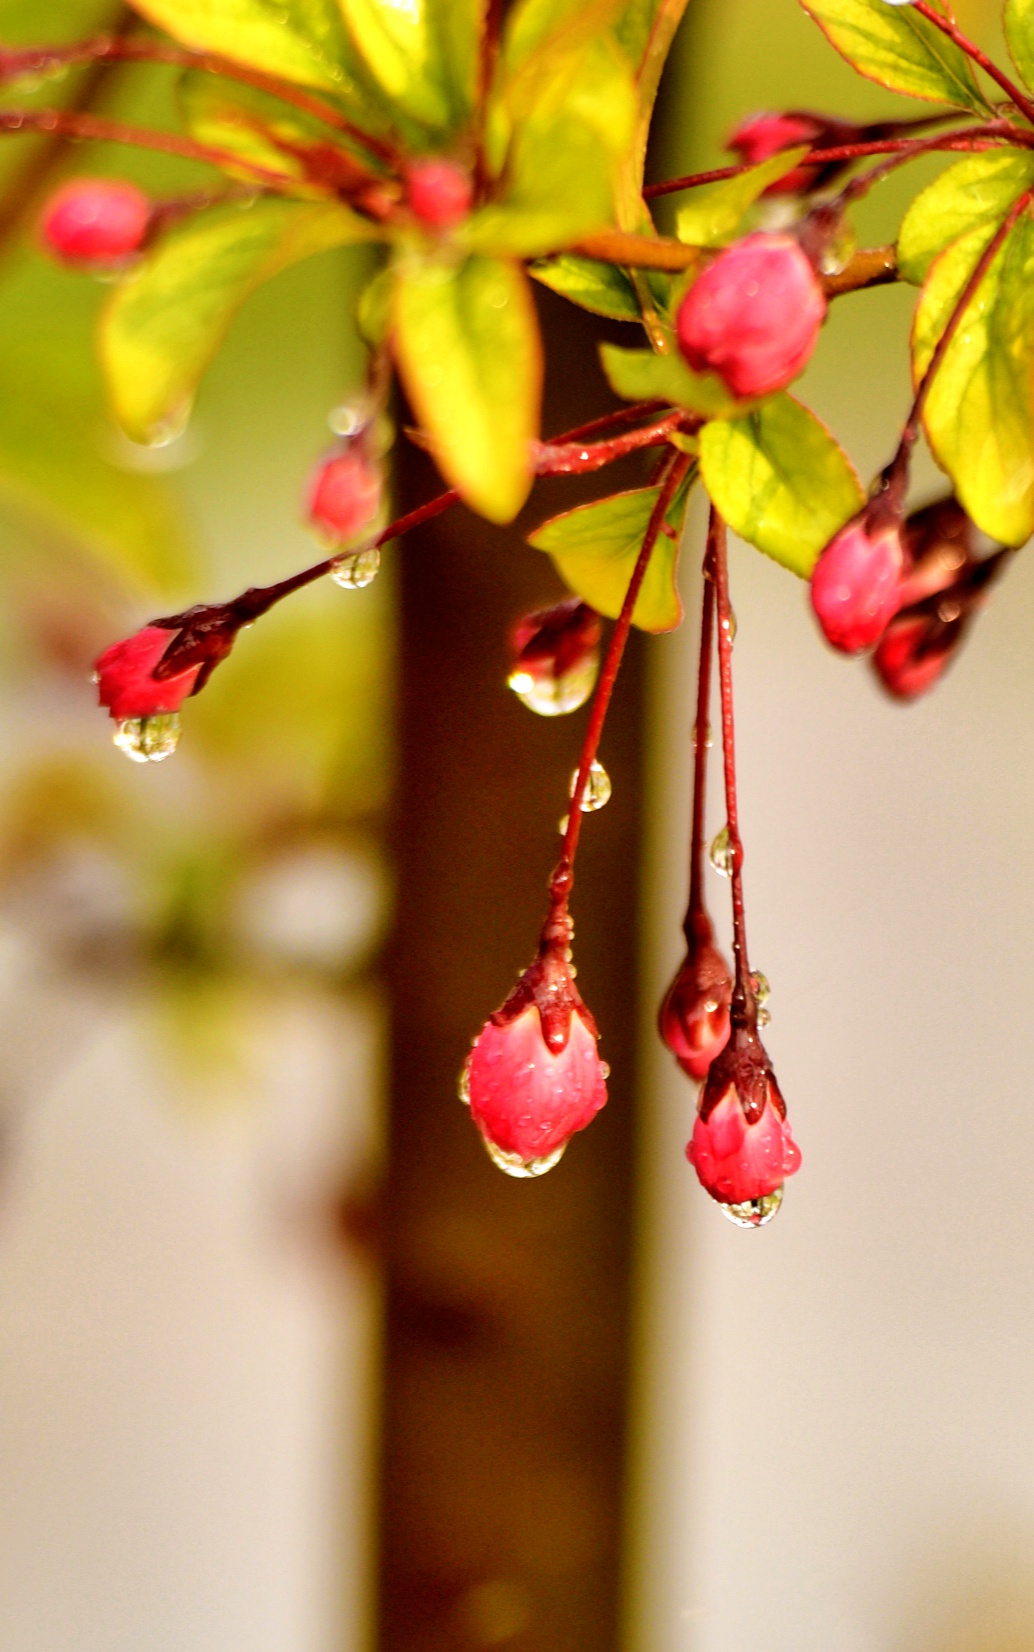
(762, 990)
(597, 789)
(148, 739)
(357, 569)
(754, 1213)
(720, 853)
(511, 1164)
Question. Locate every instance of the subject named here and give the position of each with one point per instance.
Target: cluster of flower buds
(534, 1076)
(753, 315)
(555, 657)
(907, 587)
(96, 223)
(771, 132)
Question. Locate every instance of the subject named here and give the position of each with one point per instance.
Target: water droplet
(839, 250)
(597, 789)
(730, 625)
(513, 1165)
(463, 1083)
(720, 853)
(754, 1213)
(708, 741)
(762, 990)
(605, 1068)
(551, 696)
(149, 739)
(764, 1017)
(563, 823)
(357, 569)
(348, 419)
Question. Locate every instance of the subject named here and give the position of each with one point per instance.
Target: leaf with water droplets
(166, 321)
(899, 48)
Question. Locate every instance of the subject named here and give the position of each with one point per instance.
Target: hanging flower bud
(923, 639)
(694, 1017)
(754, 315)
(940, 541)
(856, 583)
(742, 1147)
(97, 223)
(144, 679)
(534, 1075)
(439, 192)
(767, 134)
(346, 494)
(556, 657)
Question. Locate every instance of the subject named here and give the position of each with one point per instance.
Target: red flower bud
(856, 583)
(694, 1017)
(762, 136)
(923, 639)
(556, 657)
(742, 1147)
(753, 316)
(125, 680)
(534, 1075)
(439, 192)
(345, 495)
(96, 222)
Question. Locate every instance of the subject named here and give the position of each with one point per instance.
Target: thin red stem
(949, 27)
(577, 458)
(973, 139)
(99, 129)
(112, 48)
(844, 152)
(743, 1003)
(701, 742)
(564, 873)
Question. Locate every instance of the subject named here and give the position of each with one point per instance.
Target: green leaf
(300, 40)
(713, 216)
(602, 288)
(560, 188)
(1019, 35)
(467, 345)
(53, 475)
(166, 321)
(977, 191)
(423, 54)
(979, 414)
(639, 375)
(892, 44)
(257, 127)
(595, 548)
(644, 29)
(780, 480)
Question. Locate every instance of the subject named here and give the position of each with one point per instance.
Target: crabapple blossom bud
(99, 223)
(125, 680)
(556, 657)
(694, 1017)
(923, 639)
(439, 192)
(534, 1075)
(345, 495)
(768, 133)
(742, 1147)
(856, 583)
(753, 315)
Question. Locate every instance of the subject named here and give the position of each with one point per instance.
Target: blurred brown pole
(505, 1369)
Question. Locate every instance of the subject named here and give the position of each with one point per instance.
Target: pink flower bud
(96, 222)
(694, 1017)
(762, 136)
(439, 192)
(753, 315)
(345, 495)
(556, 657)
(856, 583)
(125, 680)
(534, 1075)
(742, 1147)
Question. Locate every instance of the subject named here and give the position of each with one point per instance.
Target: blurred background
(285, 1364)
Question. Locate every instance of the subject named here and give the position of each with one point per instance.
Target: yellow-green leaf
(639, 375)
(979, 414)
(894, 45)
(595, 548)
(602, 288)
(167, 319)
(713, 216)
(467, 344)
(300, 40)
(979, 190)
(780, 480)
(423, 54)
(1019, 35)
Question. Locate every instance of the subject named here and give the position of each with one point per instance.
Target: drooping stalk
(743, 1008)
(701, 742)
